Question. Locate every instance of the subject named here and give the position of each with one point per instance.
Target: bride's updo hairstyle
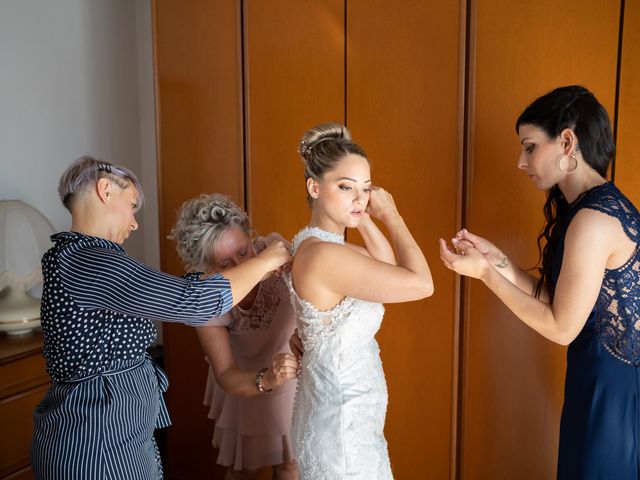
(322, 147)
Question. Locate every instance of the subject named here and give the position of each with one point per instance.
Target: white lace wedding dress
(341, 401)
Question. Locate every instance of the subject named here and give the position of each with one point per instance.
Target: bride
(337, 290)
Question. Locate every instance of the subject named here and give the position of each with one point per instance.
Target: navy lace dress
(600, 417)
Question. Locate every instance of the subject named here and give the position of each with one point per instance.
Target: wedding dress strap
(317, 232)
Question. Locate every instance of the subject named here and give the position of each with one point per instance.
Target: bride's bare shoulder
(313, 250)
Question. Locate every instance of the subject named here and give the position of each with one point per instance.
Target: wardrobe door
(199, 98)
(294, 79)
(404, 77)
(627, 174)
(512, 377)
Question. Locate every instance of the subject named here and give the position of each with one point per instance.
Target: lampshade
(24, 237)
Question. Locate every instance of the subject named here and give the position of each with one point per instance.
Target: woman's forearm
(375, 242)
(520, 278)
(408, 253)
(245, 276)
(239, 382)
(535, 313)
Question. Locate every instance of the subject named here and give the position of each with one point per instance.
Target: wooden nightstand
(23, 384)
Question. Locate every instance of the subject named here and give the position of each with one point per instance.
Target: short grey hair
(85, 172)
(200, 224)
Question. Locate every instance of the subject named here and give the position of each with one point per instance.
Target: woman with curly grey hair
(106, 396)
(249, 391)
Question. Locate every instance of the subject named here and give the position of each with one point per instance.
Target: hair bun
(320, 133)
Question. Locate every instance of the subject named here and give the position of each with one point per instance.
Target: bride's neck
(325, 223)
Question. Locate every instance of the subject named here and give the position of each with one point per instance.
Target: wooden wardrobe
(431, 89)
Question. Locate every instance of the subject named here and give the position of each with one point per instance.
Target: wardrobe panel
(294, 79)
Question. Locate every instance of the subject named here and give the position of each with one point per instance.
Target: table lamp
(24, 237)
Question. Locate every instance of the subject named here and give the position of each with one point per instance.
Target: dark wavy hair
(576, 108)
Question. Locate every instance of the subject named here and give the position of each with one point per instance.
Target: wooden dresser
(23, 384)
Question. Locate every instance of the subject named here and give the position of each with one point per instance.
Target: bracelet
(259, 376)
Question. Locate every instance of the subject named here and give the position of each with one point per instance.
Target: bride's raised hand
(381, 204)
(465, 259)
(493, 254)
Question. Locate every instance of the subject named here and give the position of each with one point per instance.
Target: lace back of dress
(618, 305)
(316, 232)
(315, 324)
(608, 199)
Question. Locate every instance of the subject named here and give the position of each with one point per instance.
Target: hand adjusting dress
(599, 430)
(341, 400)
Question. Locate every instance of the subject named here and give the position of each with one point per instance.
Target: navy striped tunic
(97, 419)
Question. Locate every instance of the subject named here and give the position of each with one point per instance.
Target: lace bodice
(315, 324)
(341, 401)
(308, 232)
(618, 305)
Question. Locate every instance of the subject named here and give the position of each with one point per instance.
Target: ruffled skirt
(251, 432)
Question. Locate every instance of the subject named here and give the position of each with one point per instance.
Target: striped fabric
(97, 420)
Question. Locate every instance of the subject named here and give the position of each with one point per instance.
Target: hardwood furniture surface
(23, 384)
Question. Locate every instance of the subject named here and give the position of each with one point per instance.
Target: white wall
(147, 133)
(76, 78)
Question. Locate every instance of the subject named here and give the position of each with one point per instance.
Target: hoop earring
(568, 171)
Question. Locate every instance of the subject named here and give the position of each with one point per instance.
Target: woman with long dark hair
(587, 295)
